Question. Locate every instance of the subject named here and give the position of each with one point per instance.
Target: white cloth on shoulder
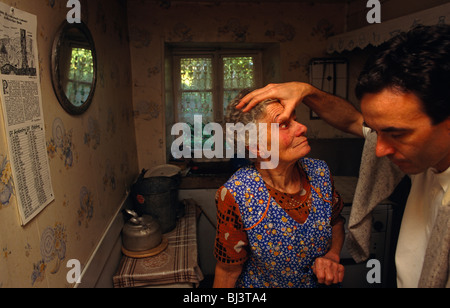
(378, 178)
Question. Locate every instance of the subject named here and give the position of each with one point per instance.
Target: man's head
(405, 98)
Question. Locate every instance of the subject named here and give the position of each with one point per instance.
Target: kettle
(141, 233)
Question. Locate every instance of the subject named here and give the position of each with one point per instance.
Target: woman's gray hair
(236, 116)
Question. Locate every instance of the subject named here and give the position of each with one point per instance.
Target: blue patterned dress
(282, 250)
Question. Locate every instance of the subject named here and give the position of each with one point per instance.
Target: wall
(300, 29)
(390, 9)
(101, 143)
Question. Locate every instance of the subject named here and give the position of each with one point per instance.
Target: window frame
(216, 55)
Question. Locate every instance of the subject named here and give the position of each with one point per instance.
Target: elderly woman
(278, 227)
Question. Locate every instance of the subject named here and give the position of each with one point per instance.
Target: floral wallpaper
(92, 157)
(92, 136)
(61, 145)
(6, 184)
(53, 253)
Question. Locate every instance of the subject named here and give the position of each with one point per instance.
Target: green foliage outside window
(80, 76)
(197, 86)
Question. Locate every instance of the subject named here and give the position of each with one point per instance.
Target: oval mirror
(74, 67)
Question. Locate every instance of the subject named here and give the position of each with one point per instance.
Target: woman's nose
(383, 148)
(300, 129)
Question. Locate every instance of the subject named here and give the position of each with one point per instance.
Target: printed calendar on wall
(22, 112)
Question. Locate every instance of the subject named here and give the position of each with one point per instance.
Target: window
(206, 82)
(80, 76)
(202, 78)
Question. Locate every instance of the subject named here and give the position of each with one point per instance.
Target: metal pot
(141, 233)
(157, 196)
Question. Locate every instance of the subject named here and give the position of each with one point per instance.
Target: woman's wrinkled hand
(328, 270)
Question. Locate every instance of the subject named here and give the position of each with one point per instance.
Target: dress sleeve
(231, 245)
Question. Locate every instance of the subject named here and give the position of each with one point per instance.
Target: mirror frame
(55, 68)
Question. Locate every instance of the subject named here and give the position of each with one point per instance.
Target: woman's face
(293, 143)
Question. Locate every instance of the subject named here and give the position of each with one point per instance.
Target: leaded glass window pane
(196, 90)
(238, 74)
(196, 103)
(196, 74)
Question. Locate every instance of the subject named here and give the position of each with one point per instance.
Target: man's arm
(336, 111)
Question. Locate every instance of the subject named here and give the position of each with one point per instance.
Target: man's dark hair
(416, 62)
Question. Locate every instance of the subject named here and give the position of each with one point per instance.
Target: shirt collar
(443, 178)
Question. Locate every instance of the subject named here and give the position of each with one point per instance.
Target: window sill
(204, 182)
(208, 175)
